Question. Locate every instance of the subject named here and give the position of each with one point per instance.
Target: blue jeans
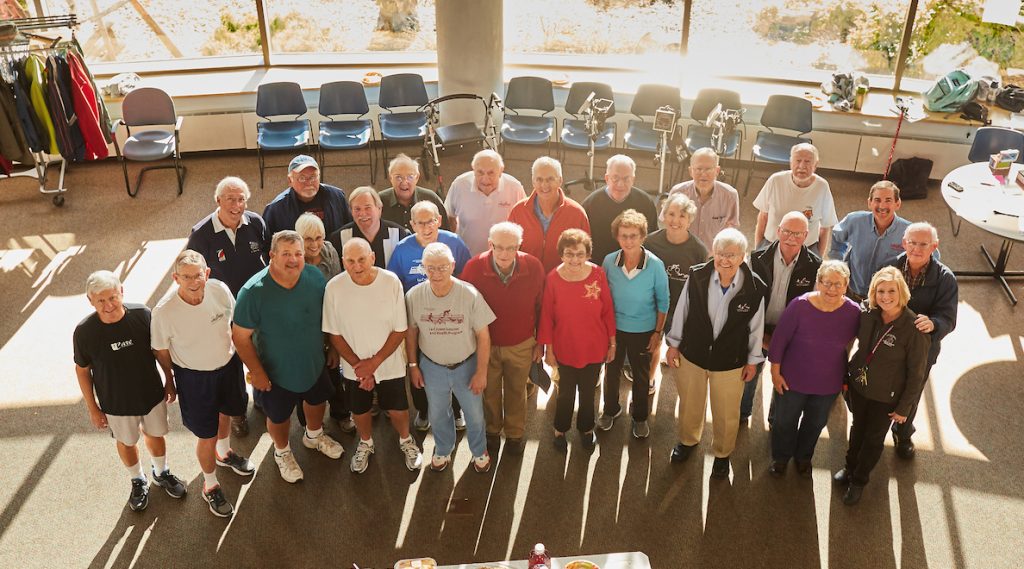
(749, 390)
(799, 419)
(440, 384)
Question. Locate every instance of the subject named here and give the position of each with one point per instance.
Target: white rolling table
(630, 560)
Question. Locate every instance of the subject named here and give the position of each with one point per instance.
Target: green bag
(951, 92)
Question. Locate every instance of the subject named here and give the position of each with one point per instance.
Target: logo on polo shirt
(743, 308)
(120, 345)
(254, 247)
(803, 281)
(889, 340)
(220, 255)
(218, 316)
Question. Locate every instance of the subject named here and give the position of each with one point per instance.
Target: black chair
(528, 94)
(989, 140)
(278, 100)
(440, 138)
(640, 134)
(784, 112)
(700, 136)
(575, 135)
(147, 106)
(345, 98)
(398, 91)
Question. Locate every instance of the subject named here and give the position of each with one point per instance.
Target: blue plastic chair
(397, 91)
(345, 98)
(528, 94)
(148, 106)
(278, 100)
(989, 140)
(784, 112)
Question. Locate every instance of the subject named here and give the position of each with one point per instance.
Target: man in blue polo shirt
(406, 260)
(306, 193)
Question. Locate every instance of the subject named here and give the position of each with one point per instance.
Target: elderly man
(306, 194)
(797, 189)
(382, 235)
(191, 337)
(480, 198)
(448, 348)
(277, 334)
(934, 296)
(364, 317)
(404, 173)
(511, 283)
(618, 195)
(718, 203)
(547, 213)
(872, 239)
(120, 384)
(406, 260)
(715, 340)
(789, 269)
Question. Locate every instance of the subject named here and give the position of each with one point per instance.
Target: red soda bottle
(539, 557)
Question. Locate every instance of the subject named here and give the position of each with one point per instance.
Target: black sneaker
(720, 468)
(589, 441)
(681, 452)
(561, 445)
(139, 498)
(219, 505)
(170, 483)
(238, 463)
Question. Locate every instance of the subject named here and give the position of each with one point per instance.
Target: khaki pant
(692, 383)
(505, 394)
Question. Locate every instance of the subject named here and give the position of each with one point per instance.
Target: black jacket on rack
(13, 144)
(62, 109)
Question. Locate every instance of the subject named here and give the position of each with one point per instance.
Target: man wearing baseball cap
(306, 193)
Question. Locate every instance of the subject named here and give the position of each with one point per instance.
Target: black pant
(633, 344)
(339, 402)
(867, 436)
(906, 429)
(419, 400)
(573, 380)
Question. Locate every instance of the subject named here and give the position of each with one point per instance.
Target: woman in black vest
(886, 376)
(715, 341)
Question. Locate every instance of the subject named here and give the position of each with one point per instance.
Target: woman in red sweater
(577, 326)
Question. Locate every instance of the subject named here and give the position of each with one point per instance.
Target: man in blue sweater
(306, 193)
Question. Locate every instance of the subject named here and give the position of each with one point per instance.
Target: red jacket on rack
(86, 109)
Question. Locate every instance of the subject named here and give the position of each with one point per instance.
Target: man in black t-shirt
(618, 195)
(121, 386)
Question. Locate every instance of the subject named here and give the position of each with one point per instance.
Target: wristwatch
(413, 364)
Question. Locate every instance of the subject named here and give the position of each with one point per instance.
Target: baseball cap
(301, 162)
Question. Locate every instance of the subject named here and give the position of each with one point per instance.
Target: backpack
(951, 92)
(911, 176)
(975, 111)
(1011, 98)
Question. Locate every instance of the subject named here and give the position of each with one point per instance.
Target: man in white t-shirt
(480, 198)
(191, 337)
(797, 189)
(364, 317)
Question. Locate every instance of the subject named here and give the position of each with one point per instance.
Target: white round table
(992, 207)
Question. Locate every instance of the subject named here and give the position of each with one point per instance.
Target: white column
(469, 54)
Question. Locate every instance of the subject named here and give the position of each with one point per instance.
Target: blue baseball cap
(301, 162)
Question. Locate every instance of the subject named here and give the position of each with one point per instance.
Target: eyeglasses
(629, 236)
(549, 181)
(500, 249)
(193, 278)
(917, 244)
(427, 223)
(703, 170)
(831, 284)
(307, 179)
(437, 268)
(788, 233)
(620, 179)
(406, 178)
(729, 256)
(580, 255)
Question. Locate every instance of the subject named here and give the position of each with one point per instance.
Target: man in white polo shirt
(364, 317)
(480, 198)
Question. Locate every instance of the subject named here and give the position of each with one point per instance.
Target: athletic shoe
(589, 441)
(413, 456)
(361, 458)
(325, 444)
(627, 373)
(561, 445)
(139, 498)
(421, 423)
(653, 388)
(347, 425)
(170, 483)
(606, 421)
(641, 430)
(482, 463)
(439, 463)
(238, 463)
(219, 505)
(290, 470)
(240, 426)
(460, 422)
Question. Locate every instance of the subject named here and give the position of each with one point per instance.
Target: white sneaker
(413, 456)
(482, 463)
(439, 463)
(290, 470)
(361, 458)
(460, 422)
(325, 444)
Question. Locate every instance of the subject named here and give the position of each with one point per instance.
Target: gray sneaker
(347, 425)
(323, 443)
(606, 421)
(460, 422)
(361, 458)
(238, 463)
(413, 456)
(641, 430)
(219, 505)
(139, 498)
(421, 423)
(170, 483)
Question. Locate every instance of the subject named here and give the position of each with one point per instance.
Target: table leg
(998, 271)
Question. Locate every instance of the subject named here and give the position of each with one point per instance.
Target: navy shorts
(278, 403)
(391, 396)
(204, 395)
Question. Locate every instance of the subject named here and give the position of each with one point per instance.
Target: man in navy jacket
(306, 193)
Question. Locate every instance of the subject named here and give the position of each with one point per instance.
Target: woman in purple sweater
(808, 355)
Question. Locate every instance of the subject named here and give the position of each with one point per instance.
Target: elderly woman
(715, 341)
(679, 249)
(640, 291)
(808, 354)
(886, 376)
(577, 326)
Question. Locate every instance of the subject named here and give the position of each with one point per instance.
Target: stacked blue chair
(528, 94)
(281, 100)
(784, 112)
(338, 99)
(396, 92)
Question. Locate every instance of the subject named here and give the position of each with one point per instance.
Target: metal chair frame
(267, 114)
(330, 111)
(434, 143)
(179, 168)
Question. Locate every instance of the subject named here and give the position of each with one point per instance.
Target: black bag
(975, 111)
(911, 176)
(1011, 98)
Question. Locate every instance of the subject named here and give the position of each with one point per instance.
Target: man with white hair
(618, 195)
(480, 198)
(120, 384)
(382, 235)
(511, 283)
(404, 173)
(797, 189)
(448, 349)
(191, 337)
(718, 203)
(364, 317)
(547, 213)
(306, 193)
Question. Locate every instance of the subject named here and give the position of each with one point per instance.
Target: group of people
(360, 303)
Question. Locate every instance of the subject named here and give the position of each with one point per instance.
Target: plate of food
(421, 563)
(372, 78)
(581, 564)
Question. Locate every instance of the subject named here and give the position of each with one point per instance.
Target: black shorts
(204, 395)
(391, 396)
(278, 403)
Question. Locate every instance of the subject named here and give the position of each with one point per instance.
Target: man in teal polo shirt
(277, 334)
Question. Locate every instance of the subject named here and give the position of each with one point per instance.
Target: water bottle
(539, 557)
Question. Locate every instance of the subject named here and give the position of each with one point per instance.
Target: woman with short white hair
(317, 250)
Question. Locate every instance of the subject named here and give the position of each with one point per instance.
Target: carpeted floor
(63, 491)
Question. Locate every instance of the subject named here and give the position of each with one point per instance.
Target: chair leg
(127, 184)
(373, 167)
(179, 171)
(259, 156)
(750, 175)
(322, 161)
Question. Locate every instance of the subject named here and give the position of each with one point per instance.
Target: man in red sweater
(511, 282)
(547, 213)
